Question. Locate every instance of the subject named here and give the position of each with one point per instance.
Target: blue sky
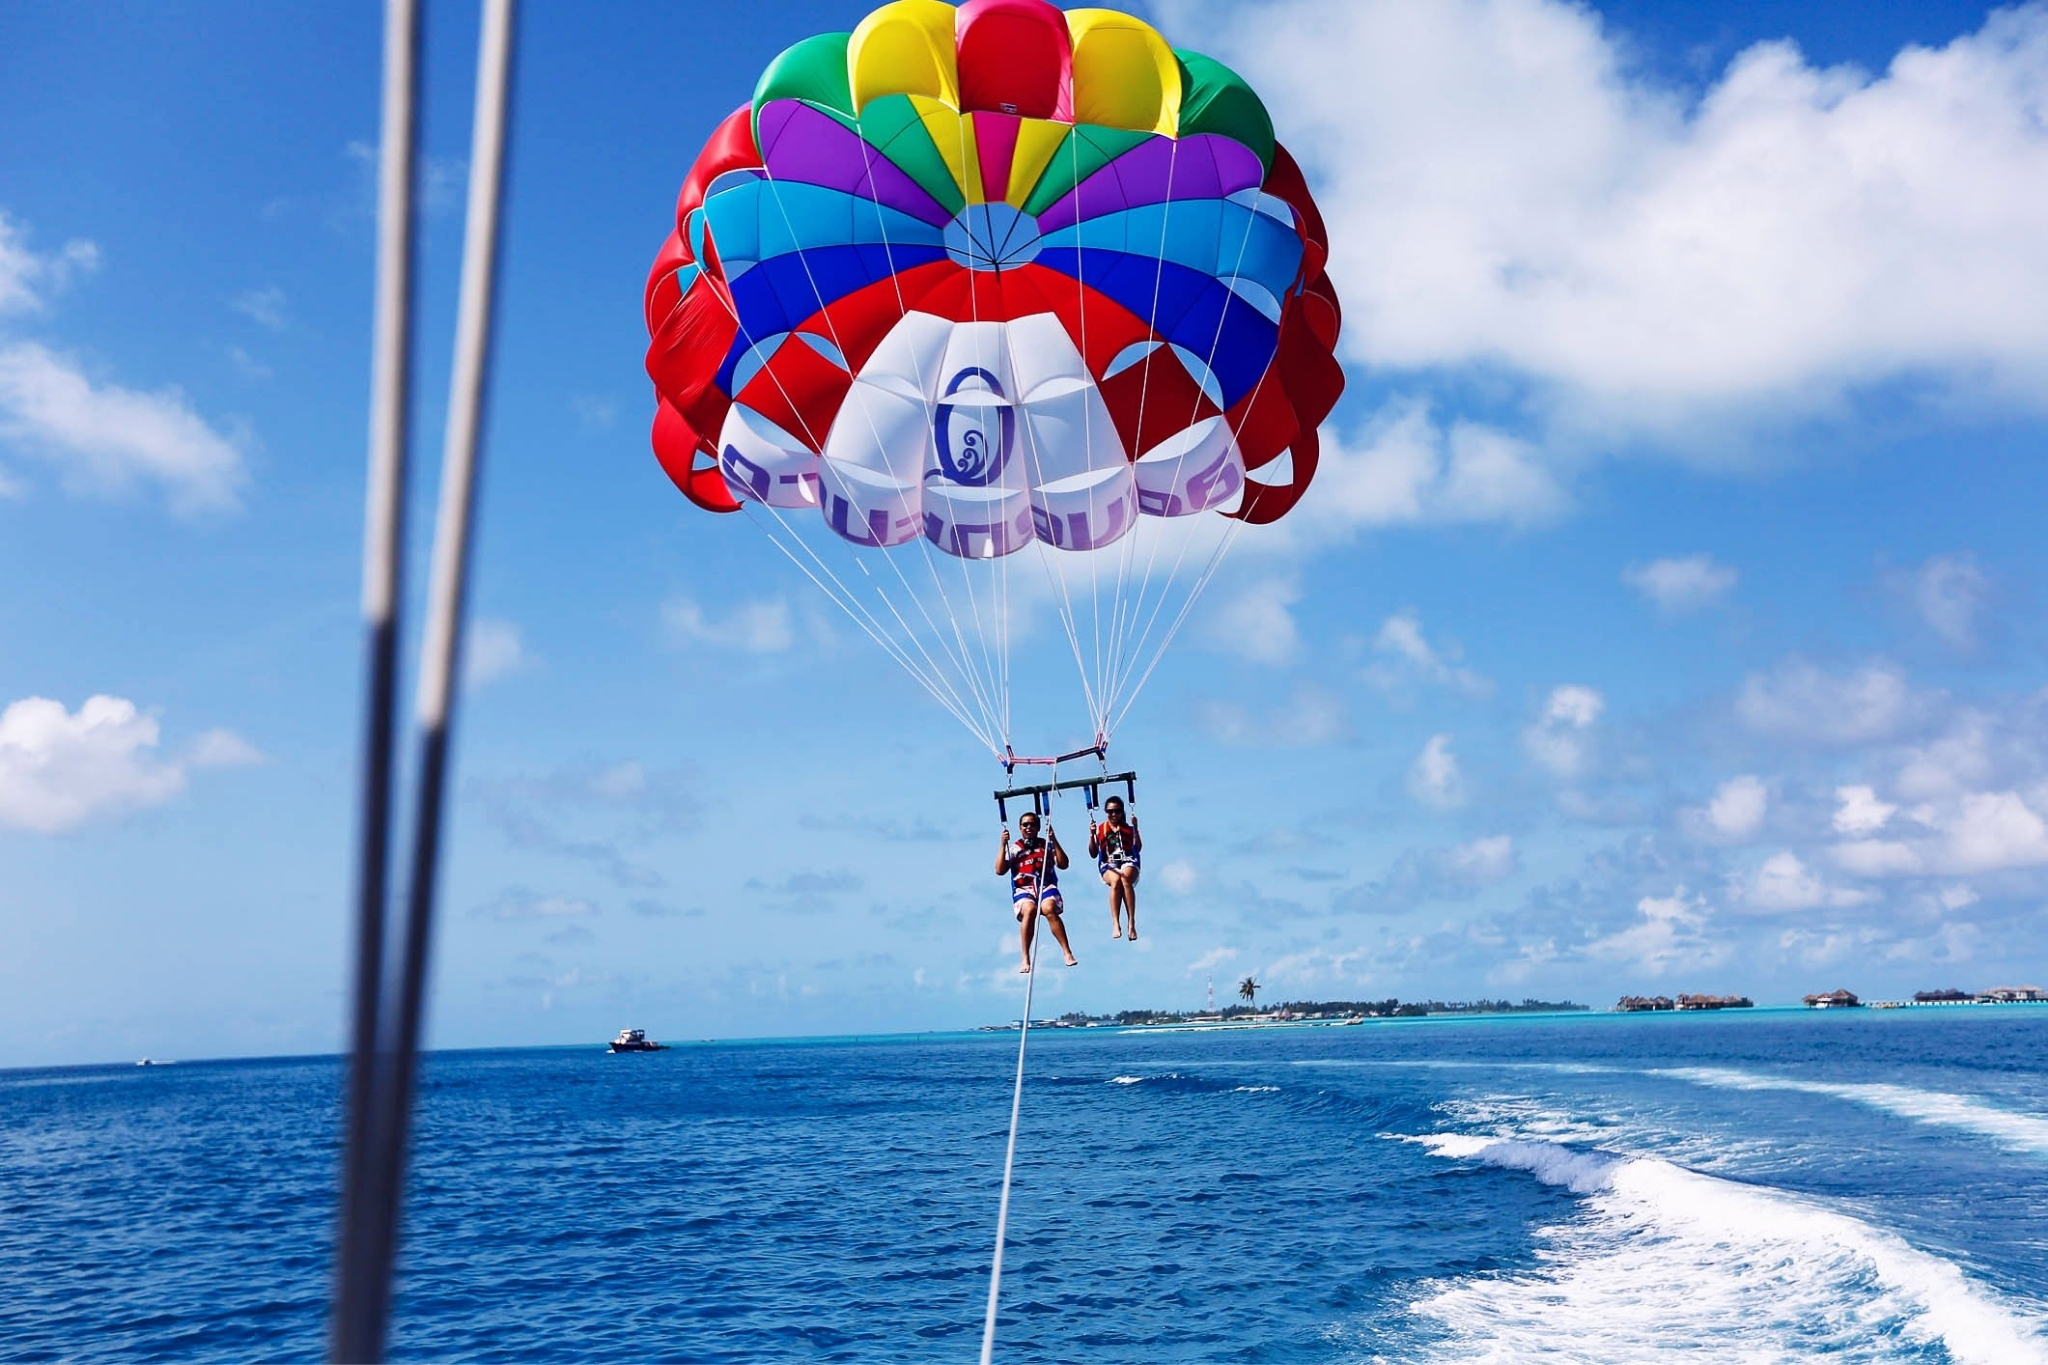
(1664, 618)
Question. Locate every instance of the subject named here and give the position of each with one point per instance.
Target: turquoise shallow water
(1758, 1186)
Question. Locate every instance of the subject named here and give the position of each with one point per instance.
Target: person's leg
(1026, 924)
(1127, 877)
(1059, 931)
(1116, 903)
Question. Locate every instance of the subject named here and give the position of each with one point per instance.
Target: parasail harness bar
(1090, 786)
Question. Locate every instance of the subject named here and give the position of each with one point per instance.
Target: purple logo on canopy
(974, 435)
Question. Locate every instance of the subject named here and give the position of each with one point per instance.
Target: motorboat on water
(636, 1040)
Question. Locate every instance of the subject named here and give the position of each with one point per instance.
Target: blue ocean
(1752, 1186)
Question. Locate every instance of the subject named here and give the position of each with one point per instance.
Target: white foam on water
(1604, 1124)
(1123, 1080)
(2017, 1132)
(1665, 1261)
(1255, 1090)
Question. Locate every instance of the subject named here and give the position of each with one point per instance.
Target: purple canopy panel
(802, 145)
(1190, 173)
(1205, 166)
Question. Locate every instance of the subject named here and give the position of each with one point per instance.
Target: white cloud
(106, 438)
(1481, 862)
(1993, 830)
(1858, 812)
(1986, 831)
(1955, 762)
(1311, 717)
(1502, 189)
(1561, 737)
(1180, 876)
(1671, 934)
(59, 769)
(761, 627)
(1821, 948)
(493, 650)
(1949, 594)
(1299, 971)
(265, 307)
(1214, 958)
(28, 278)
(1735, 812)
(248, 365)
(223, 749)
(1801, 703)
(1680, 585)
(1400, 638)
(1876, 858)
(1404, 467)
(1434, 778)
(1785, 883)
(1257, 622)
(518, 904)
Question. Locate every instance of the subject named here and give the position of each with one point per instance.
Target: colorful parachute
(990, 278)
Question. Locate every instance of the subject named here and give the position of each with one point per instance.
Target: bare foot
(1073, 961)
(1024, 970)
(1119, 932)
(1134, 935)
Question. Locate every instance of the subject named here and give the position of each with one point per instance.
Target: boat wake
(1664, 1261)
(2016, 1132)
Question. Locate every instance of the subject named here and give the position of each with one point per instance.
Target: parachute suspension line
(966, 577)
(1230, 534)
(935, 681)
(1055, 574)
(965, 661)
(1144, 391)
(910, 634)
(999, 669)
(1062, 600)
(1127, 554)
(967, 675)
(1194, 594)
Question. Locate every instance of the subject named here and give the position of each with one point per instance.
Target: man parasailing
(1116, 847)
(1033, 866)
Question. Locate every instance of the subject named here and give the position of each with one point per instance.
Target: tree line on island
(1389, 1008)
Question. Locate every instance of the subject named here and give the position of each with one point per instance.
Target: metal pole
(391, 1109)
(383, 562)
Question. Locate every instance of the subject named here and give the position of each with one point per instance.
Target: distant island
(1297, 1012)
(1638, 1004)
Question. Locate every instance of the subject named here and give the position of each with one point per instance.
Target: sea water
(1752, 1186)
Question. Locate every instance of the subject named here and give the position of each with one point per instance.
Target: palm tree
(1248, 991)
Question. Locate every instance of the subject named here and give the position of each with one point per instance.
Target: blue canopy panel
(780, 294)
(752, 220)
(1228, 240)
(1188, 308)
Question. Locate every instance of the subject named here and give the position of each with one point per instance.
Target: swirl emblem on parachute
(974, 428)
(994, 275)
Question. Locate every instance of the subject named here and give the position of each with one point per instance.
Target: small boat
(635, 1040)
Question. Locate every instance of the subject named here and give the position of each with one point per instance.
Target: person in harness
(1116, 847)
(1033, 866)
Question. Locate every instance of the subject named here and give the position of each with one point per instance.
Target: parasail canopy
(988, 280)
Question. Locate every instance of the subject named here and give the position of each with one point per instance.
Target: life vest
(1111, 842)
(1029, 865)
